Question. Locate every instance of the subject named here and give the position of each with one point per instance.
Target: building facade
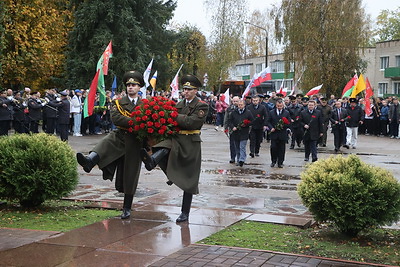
(382, 71)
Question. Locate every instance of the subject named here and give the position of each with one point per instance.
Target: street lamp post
(266, 40)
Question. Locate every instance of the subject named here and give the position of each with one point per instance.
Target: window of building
(396, 88)
(242, 70)
(397, 61)
(259, 68)
(384, 63)
(278, 66)
(382, 88)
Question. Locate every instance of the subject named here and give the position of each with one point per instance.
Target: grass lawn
(376, 246)
(53, 215)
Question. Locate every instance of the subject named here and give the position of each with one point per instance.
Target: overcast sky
(194, 12)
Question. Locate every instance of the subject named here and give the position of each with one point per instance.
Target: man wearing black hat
(180, 156)
(354, 119)
(63, 116)
(297, 131)
(259, 125)
(35, 112)
(326, 111)
(5, 112)
(119, 151)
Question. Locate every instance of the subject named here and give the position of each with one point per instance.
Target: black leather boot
(150, 162)
(186, 204)
(126, 208)
(89, 161)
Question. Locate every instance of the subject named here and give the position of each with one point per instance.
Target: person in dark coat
(6, 106)
(240, 122)
(338, 119)
(119, 151)
(326, 111)
(50, 110)
(279, 133)
(394, 118)
(63, 116)
(35, 112)
(227, 130)
(258, 126)
(180, 156)
(297, 131)
(355, 118)
(311, 121)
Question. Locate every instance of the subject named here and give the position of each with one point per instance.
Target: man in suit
(279, 134)
(259, 125)
(240, 122)
(119, 151)
(180, 156)
(311, 121)
(228, 113)
(338, 118)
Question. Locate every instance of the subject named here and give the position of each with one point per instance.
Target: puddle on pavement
(253, 184)
(235, 172)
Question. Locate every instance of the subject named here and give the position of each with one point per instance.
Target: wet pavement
(151, 237)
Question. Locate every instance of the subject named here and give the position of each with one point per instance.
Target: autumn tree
(388, 25)
(189, 48)
(324, 39)
(33, 39)
(226, 44)
(137, 30)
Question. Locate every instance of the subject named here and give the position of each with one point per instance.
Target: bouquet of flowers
(243, 124)
(281, 123)
(154, 119)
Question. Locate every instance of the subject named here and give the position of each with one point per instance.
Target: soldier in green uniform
(180, 156)
(119, 151)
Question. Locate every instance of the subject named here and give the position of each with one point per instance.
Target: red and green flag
(368, 94)
(348, 89)
(91, 96)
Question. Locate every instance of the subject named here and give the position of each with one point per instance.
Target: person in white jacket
(76, 111)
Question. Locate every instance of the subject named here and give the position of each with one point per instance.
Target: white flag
(175, 85)
(227, 97)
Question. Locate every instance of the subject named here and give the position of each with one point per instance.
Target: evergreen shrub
(35, 168)
(350, 194)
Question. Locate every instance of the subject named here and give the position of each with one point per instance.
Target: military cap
(267, 96)
(292, 97)
(353, 100)
(64, 93)
(190, 82)
(260, 96)
(304, 99)
(322, 99)
(133, 77)
(2, 91)
(300, 95)
(279, 95)
(248, 97)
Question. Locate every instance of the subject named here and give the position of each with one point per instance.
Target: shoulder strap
(121, 110)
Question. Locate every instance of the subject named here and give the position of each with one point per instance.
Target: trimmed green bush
(35, 168)
(349, 193)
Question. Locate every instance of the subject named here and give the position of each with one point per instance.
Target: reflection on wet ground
(391, 162)
(240, 177)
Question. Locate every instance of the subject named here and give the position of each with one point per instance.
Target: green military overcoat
(120, 150)
(184, 160)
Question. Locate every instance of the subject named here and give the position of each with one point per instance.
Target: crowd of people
(302, 121)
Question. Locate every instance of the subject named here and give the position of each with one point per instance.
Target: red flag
(105, 57)
(314, 90)
(89, 101)
(350, 84)
(282, 90)
(368, 94)
(264, 75)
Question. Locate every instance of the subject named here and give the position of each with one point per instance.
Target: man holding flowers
(119, 151)
(278, 122)
(180, 155)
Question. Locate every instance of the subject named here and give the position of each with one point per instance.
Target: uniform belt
(189, 132)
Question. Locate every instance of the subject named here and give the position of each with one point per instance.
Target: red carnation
(161, 131)
(130, 122)
(164, 127)
(146, 106)
(161, 113)
(142, 125)
(313, 116)
(170, 120)
(137, 128)
(130, 129)
(154, 116)
(174, 114)
(162, 120)
(138, 118)
(145, 101)
(175, 123)
(169, 132)
(156, 107)
(148, 112)
(150, 123)
(152, 103)
(348, 117)
(285, 120)
(157, 124)
(150, 130)
(137, 107)
(258, 115)
(145, 118)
